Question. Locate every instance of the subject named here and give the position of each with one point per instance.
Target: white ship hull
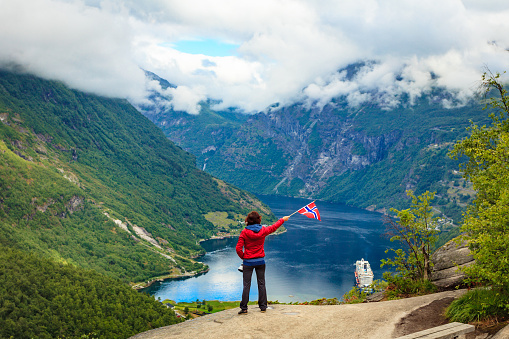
(363, 273)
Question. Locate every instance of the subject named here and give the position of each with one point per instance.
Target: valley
(365, 156)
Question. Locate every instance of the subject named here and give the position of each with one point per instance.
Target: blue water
(312, 260)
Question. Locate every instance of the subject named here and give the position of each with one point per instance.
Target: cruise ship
(363, 273)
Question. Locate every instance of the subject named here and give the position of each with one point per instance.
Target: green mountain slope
(43, 299)
(90, 181)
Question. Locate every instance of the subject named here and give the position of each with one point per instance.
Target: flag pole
(301, 208)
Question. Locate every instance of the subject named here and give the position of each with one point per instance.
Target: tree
(417, 230)
(486, 222)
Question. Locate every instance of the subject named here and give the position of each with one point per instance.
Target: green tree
(486, 222)
(416, 229)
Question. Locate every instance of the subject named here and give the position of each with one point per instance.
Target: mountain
(91, 182)
(366, 156)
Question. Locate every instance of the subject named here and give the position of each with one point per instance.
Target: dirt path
(373, 320)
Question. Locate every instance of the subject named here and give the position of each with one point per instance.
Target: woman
(250, 250)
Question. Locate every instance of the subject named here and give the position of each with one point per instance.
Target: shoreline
(142, 285)
(235, 235)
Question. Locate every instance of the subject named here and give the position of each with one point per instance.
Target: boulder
(448, 261)
(375, 297)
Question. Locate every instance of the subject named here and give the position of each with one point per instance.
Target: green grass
(217, 306)
(226, 223)
(480, 304)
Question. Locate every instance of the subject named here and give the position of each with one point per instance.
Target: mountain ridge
(365, 156)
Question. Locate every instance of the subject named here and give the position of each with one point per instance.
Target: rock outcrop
(448, 261)
(353, 321)
(375, 297)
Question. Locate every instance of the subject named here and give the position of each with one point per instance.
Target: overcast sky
(251, 54)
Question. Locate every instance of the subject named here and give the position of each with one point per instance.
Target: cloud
(186, 99)
(83, 46)
(288, 50)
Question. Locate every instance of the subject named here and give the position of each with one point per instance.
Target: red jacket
(250, 244)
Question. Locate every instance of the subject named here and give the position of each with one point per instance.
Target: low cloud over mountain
(287, 50)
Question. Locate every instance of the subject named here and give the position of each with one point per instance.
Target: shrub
(355, 296)
(401, 287)
(324, 301)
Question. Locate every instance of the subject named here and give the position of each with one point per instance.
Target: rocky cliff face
(363, 156)
(317, 145)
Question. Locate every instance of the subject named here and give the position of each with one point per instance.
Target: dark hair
(253, 218)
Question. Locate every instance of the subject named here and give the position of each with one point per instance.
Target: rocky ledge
(370, 320)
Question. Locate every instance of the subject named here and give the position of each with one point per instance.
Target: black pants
(260, 278)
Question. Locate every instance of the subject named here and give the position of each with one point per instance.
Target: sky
(252, 54)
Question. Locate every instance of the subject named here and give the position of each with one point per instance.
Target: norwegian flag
(310, 211)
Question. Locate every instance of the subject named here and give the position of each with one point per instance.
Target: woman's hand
(285, 218)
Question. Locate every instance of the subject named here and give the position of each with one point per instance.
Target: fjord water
(313, 259)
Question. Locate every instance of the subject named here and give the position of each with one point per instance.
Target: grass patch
(226, 222)
(221, 219)
(479, 305)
